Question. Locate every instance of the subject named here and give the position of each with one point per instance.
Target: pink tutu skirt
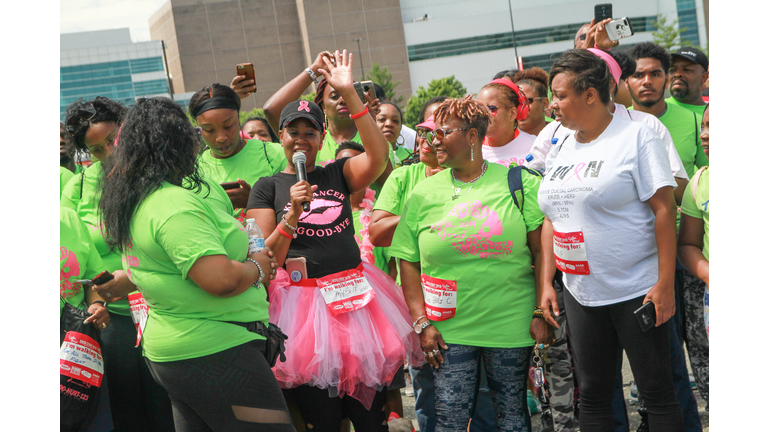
(354, 353)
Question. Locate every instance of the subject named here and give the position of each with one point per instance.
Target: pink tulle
(354, 353)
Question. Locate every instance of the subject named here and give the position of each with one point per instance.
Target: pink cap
(429, 124)
(612, 65)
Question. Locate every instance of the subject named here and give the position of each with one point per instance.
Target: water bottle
(255, 237)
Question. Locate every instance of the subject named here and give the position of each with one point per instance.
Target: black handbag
(79, 399)
(275, 343)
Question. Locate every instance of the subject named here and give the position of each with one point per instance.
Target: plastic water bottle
(255, 236)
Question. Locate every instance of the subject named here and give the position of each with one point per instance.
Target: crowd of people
(514, 245)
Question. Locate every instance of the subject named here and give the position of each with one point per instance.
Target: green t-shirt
(327, 153)
(65, 176)
(480, 241)
(398, 188)
(257, 159)
(171, 230)
(402, 154)
(78, 258)
(698, 109)
(87, 208)
(699, 209)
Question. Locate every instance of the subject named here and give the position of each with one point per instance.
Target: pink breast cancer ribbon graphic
(303, 106)
(576, 172)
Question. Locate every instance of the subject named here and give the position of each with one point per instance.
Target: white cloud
(89, 15)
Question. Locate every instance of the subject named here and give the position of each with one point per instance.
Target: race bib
(139, 314)
(439, 298)
(571, 253)
(345, 291)
(81, 359)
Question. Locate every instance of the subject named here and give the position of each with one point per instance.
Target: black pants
(138, 404)
(594, 333)
(232, 390)
(322, 413)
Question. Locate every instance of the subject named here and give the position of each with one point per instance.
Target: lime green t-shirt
(257, 159)
(398, 188)
(698, 109)
(171, 230)
(402, 154)
(87, 208)
(65, 176)
(479, 241)
(327, 153)
(700, 208)
(78, 258)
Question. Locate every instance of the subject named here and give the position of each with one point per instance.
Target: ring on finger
(435, 351)
(430, 355)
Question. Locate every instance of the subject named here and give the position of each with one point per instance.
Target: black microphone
(299, 162)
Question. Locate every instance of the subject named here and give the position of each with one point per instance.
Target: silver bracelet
(312, 75)
(261, 272)
(285, 221)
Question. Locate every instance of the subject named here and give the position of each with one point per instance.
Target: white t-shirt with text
(513, 151)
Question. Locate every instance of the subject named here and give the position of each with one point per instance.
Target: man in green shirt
(689, 72)
(646, 86)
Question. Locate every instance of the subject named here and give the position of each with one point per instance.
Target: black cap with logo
(303, 109)
(694, 55)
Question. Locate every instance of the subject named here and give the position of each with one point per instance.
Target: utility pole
(360, 56)
(514, 39)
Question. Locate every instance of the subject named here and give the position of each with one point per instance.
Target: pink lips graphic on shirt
(321, 212)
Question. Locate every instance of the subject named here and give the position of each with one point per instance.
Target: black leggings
(232, 390)
(594, 333)
(322, 413)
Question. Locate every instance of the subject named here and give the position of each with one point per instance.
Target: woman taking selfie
(610, 228)
(466, 252)
(346, 320)
(190, 260)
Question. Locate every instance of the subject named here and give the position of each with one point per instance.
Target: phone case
(230, 185)
(619, 29)
(296, 268)
(646, 316)
(103, 278)
(603, 11)
(361, 87)
(246, 69)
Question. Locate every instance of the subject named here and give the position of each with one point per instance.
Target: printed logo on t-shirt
(324, 210)
(129, 260)
(69, 268)
(473, 217)
(567, 172)
(508, 162)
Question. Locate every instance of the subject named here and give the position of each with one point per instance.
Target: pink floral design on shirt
(69, 268)
(469, 216)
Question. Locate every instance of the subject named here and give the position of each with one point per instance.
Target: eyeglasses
(532, 100)
(493, 109)
(77, 122)
(422, 133)
(441, 134)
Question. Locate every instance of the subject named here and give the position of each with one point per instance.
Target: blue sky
(89, 15)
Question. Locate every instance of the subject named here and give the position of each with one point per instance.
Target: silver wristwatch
(418, 328)
(312, 75)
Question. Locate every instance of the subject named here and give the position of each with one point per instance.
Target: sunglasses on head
(76, 123)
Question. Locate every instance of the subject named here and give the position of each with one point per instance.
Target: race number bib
(81, 359)
(139, 314)
(571, 253)
(345, 291)
(439, 298)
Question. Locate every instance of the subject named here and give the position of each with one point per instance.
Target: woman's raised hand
(338, 75)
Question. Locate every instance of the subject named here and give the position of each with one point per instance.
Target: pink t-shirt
(514, 151)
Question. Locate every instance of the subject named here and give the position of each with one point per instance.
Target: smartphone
(646, 316)
(103, 278)
(85, 282)
(296, 268)
(619, 29)
(364, 86)
(230, 185)
(603, 11)
(246, 70)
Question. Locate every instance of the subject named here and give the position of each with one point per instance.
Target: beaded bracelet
(261, 272)
(288, 225)
(312, 75)
(360, 114)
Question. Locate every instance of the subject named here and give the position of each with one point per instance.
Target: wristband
(360, 114)
(285, 234)
(99, 302)
(312, 75)
(261, 272)
(538, 313)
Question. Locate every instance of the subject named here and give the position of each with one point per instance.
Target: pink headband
(612, 65)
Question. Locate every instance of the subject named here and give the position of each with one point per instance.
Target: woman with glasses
(138, 403)
(610, 228)
(465, 254)
(505, 142)
(533, 83)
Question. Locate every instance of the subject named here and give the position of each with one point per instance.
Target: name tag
(139, 314)
(81, 359)
(571, 253)
(345, 291)
(439, 298)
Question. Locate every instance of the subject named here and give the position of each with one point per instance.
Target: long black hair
(157, 143)
(81, 114)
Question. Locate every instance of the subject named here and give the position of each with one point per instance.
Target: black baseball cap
(694, 55)
(303, 109)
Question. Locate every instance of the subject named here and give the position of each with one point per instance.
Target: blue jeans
(458, 378)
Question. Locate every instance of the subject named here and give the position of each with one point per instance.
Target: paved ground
(634, 417)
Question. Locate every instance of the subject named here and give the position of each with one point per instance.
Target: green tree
(450, 87)
(383, 77)
(308, 97)
(245, 115)
(669, 36)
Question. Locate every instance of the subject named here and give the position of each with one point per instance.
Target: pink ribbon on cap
(612, 65)
(303, 106)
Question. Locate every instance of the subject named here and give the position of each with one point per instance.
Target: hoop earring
(326, 120)
(398, 143)
(472, 152)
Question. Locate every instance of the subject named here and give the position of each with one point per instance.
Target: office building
(107, 63)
